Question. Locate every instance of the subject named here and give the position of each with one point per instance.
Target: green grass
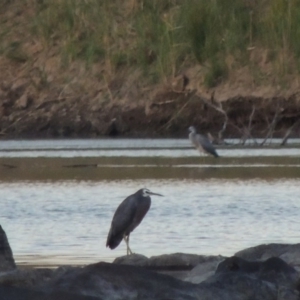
(147, 36)
(162, 37)
(281, 31)
(217, 28)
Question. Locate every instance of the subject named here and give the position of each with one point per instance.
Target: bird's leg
(129, 250)
(126, 239)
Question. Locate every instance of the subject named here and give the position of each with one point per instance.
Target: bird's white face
(146, 193)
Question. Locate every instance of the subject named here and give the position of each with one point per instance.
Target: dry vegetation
(100, 54)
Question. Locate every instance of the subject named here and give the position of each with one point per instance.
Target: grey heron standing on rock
(201, 142)
(127, 217)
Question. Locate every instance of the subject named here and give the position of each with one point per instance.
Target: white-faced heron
(127, 217)
(201, 142)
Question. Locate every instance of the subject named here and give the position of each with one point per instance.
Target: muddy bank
(168, 113)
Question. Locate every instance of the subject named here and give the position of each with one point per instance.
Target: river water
(57, 197)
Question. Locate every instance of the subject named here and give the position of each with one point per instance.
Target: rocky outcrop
(273, 270)
(180, 261)
(188, 267)
(265, 272)
(31, 277)
(134, 260)
(7, 261)
(290, 253)
(238, 264)
(13, 293)
(112, 281)
(236, 286)
(202, 271)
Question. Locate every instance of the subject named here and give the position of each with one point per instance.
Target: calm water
(58, 197)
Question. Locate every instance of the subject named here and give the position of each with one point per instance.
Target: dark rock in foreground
(234, 286)
(134, 260)
(265, 272)
(238, 264)
(112, 281)
(7, 261)
(13, 293)
(273, 270)
(188, 267)
(30, 278)
(290, 253)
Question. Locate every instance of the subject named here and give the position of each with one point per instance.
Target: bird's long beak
(155, 194)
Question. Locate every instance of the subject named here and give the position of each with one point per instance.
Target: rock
(273, 270)
(236, 286)
(32, 277)
(13, 293)
(134, 260)
(237, 264)
(165, 261)
(178, 261)
(287, 294)
(265, 251)
(113, 281)
(7, 261)
(177, 265)
(276, 264)
(292, 256)
(183, 260)
(203, 270)
(26, 277)
(235, 278)
(290, 253)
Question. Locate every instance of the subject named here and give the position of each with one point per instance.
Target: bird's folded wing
(124, 215)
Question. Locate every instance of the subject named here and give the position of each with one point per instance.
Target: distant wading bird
(127, 217)
(201, 142)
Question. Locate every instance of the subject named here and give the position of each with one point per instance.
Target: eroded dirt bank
(165, 113)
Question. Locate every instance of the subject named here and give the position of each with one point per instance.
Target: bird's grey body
(201, 142)
(127, 217)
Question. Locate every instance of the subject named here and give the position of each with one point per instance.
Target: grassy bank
(145, 34)
(162, 38)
